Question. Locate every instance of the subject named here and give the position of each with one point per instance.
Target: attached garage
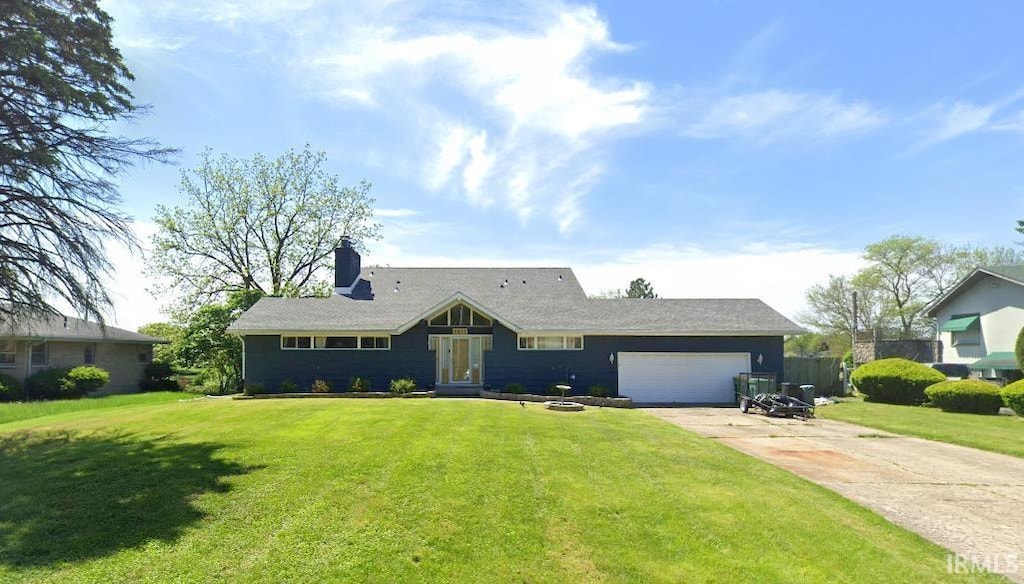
(680, 377)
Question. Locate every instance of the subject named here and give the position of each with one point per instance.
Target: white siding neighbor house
(979, 319)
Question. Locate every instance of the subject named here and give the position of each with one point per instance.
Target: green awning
(1000, 360)
(959, 324)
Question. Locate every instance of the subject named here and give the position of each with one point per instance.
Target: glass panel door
(476, 366)
(460, 370)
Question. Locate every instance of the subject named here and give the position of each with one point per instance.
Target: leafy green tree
(169, 332)
(900, 268)
(830, 307)
(265, 225)
(62, 84)
(640, 288)
(205, 343)
(805, 344)
(1019, 348)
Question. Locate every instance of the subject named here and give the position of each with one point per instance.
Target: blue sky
(716, 148)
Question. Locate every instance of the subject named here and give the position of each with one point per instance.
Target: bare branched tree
(62, 82)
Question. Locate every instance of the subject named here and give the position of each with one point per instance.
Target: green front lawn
(996, 433)
(38, 409)
(419, 490)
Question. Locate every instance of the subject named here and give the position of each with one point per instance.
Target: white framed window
(374, 342)
(551, 343)
(8, 354)
(336, 342)
(40, 355)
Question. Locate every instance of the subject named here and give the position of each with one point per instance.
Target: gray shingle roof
(1015, 273)
(71, 329)
(535, 299)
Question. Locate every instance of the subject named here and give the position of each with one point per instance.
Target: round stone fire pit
(560, 406)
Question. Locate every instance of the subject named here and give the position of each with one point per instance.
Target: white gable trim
(970, 279)
(457, 298)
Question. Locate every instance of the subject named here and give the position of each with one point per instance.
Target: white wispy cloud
(773, 115)
(947, 121)
(508, 102)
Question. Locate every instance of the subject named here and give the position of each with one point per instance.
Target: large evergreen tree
(62, 82)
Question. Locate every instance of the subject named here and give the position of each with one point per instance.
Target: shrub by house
(895, 381)
(1013, 397)
(972, 396)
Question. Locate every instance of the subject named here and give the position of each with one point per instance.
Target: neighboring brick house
(56, 341)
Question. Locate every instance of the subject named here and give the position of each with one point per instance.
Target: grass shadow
(73, 497)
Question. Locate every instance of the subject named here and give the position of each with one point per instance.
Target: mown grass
(1003, 434)
(35, 409)
(419, 490)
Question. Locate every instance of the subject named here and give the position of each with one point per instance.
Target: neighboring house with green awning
(979, 319)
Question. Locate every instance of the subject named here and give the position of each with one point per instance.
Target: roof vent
(505, 283)
(524, 281)
(396, 289)
(371, 273)
(559, 277)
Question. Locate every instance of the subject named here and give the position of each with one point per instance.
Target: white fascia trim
(331, 333)
(634, 333)
(934, 305)
(452, 300)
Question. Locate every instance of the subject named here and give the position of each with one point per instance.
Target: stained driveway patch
(966, 500)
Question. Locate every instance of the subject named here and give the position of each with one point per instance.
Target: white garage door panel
(680, 377)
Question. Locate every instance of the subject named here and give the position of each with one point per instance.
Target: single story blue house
(462, 329)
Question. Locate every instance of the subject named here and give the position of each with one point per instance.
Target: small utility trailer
(775, 404)
(759, 391)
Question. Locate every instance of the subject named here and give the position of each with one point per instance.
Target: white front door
(460, 360)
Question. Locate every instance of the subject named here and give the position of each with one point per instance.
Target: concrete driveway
(966, 500)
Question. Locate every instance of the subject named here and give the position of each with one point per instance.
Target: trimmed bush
(45, 384)
(359, 384)
(1013, 397)
(404, 385)
(515, 388)
(971, 396)
(895, 381)
(159, 376)
(287, 386)
(254, 389)
(599, 391)
(84, 379)
(321, 386)
(11, 388)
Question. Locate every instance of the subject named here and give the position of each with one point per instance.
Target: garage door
(680, 377)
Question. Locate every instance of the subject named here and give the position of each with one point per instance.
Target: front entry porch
(460, 361)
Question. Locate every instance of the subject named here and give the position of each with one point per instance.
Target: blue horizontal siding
(268, 364)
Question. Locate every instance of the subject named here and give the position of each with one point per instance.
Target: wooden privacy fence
(822, 372)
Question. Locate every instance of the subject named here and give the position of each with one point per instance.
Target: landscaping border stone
(347, 394)
(589, 400)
